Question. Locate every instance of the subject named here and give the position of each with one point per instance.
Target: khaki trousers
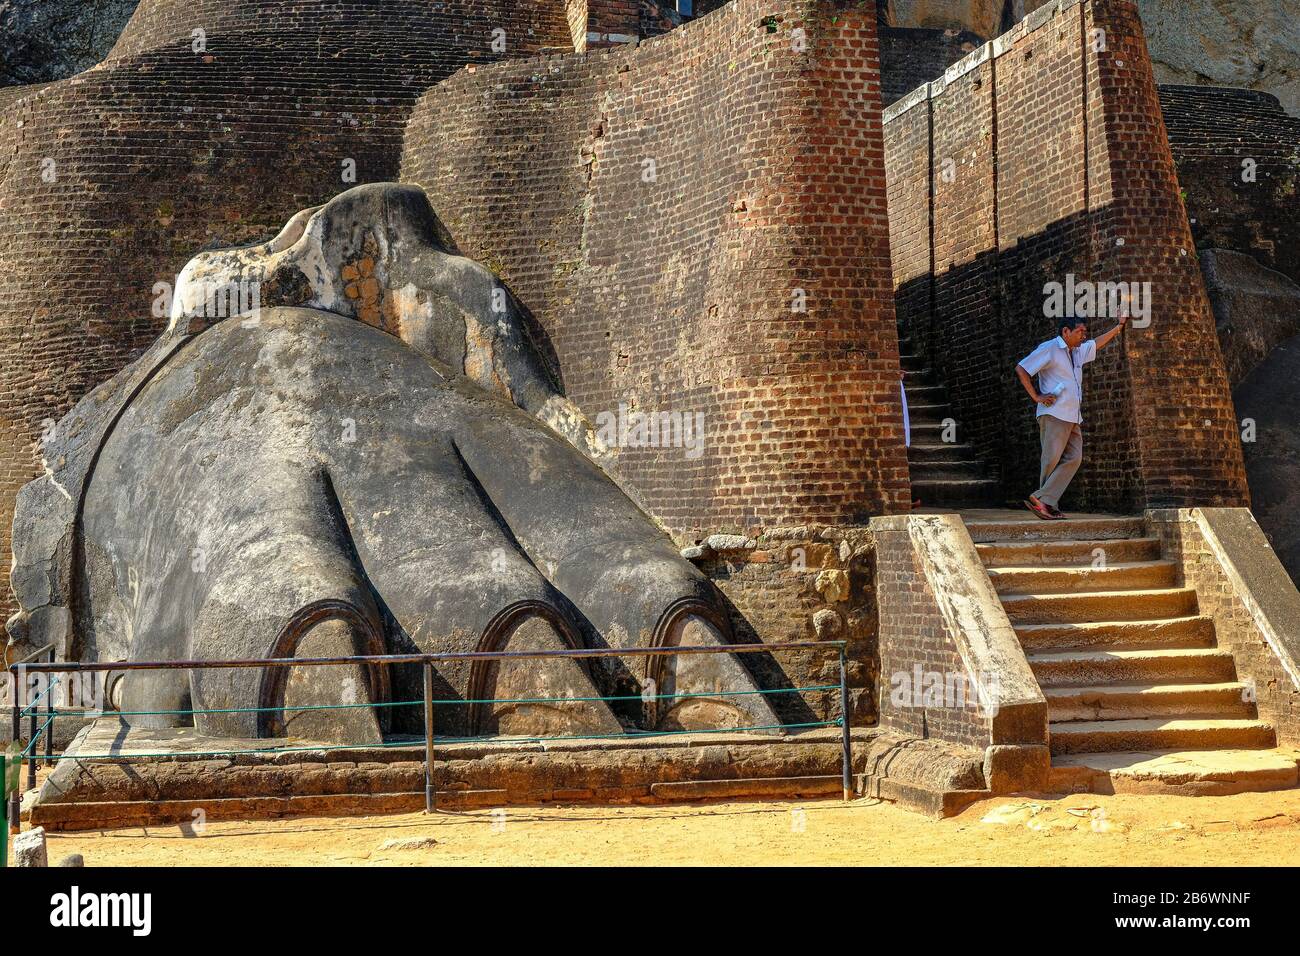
(1062, 454)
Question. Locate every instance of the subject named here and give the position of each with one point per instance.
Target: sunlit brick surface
(676, 293)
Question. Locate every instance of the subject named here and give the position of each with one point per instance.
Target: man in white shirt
(1059, 363)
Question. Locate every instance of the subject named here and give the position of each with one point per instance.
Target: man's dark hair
(1071, 326)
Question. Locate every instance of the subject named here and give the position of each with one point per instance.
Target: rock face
(1254, 44)
(345, 443)
(984, 17)
(1268, 396)
(1255, 308)
(1247, 43)
(43, 40)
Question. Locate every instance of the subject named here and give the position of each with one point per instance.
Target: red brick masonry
(1043, 154)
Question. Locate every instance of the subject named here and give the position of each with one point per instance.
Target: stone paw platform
(152, 777)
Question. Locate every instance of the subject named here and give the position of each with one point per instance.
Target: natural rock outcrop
(984, 17)
(1247, 43)
(1254, 44)
(43, 40)
(1255, 308)
(1267, 396)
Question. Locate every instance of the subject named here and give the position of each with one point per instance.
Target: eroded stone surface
(30, 848)
(361, 460)
(1255, 308)
(93, 793)
(1273, 457)
(1189, 772)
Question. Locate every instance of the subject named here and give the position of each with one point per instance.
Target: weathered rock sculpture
(347, 442)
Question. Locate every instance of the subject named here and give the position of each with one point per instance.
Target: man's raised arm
(1104, 340)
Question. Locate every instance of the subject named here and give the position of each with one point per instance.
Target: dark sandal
(1038, 508)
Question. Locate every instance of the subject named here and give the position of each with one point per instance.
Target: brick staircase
(944, 474)
(1140, 697)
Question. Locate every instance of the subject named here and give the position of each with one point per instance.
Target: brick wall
(951, 665)
(964, 230)
(163, 151)
(916, 635)
(911, 56)
(677, 292)
(596, 24)
(1238, 159)
(1038, 156)
(1184, 424)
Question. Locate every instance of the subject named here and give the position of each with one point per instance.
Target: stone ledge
(103, 794)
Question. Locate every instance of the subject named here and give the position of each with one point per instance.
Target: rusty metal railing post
(430, 798)
(31, 742)
(49, 722)
(845, 737)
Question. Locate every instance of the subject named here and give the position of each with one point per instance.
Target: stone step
(913, 363)
(919, 394)
(1194, 665)
(947, 469)
(927, 414)
(954, 492)
(1180, 733)
(927, 452)
(1175, 772)
(1122, 576)
(1030, 553)
(1029, 528)
(930, 433)
(1143, 701)
(1170, 633)
(1100, 606)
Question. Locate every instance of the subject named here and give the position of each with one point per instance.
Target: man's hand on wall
(1104, 340)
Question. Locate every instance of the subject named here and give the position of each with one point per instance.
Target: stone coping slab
(102, 793)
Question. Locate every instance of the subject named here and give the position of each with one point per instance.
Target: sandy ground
(1246, 829)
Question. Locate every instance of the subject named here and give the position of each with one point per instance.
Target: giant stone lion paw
(349, 441)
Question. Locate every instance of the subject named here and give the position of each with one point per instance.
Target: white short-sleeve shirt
(1057, 369)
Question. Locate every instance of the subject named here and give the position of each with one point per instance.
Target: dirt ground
(1246, 829)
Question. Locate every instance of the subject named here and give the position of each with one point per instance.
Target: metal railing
(18, 711)
(427, 662)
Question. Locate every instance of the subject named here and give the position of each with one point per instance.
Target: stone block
(30, 849)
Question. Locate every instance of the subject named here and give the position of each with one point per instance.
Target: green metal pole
(430, 794)
(4, 812)
(846, 739)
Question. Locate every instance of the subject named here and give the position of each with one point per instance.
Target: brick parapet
(1242, 587)
(941, 624)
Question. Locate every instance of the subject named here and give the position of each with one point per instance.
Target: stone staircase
(944, 474)
(1140, 697)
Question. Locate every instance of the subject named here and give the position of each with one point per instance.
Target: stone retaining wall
(1240, 583)
(951, 666)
